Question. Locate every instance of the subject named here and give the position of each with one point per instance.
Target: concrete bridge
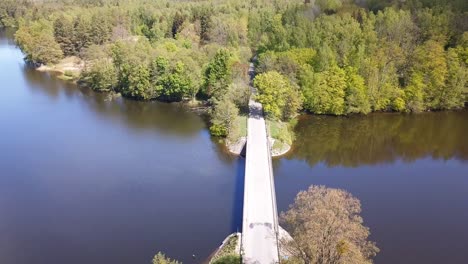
(260, 217)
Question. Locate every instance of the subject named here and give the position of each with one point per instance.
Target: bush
(228, 259)
(102, 76)
(223, 118)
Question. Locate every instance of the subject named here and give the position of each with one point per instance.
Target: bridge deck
(260, 217)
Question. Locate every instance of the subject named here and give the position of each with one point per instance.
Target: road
(260, 217)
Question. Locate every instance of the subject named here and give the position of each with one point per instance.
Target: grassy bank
(228, 253)
(282, 133)
(68, 69)
(239, 129)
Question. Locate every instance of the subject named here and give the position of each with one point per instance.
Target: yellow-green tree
(223, 118)
(279, 97)
(356, 98)
(432, 66)
(324, 92)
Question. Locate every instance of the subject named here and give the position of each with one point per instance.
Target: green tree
(37, 41)
(229, 259)
(329, 5)
(457, 79)
(356, 98)
(100, 30)
(102, 76)
(64, 34)
(135, 82)
(414, 93)
(223, 118)
(324, 92)
(381, 78)
(175, 84)
(83, 38)
(435, 23)
(205, 25)
(160, 258)
(279, 97)
(326, 227)
(217, 75)
(431, 64)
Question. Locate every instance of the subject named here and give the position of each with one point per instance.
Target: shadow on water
(238, 202)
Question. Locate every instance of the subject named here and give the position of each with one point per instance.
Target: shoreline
(60, 70)
(239, 147)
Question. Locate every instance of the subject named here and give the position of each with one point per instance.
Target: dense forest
(334, 57)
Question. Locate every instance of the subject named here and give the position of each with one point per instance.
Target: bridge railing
(273, 189)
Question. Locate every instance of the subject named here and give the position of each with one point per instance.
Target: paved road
(260, 216)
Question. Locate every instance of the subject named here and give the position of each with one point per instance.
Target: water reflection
(381, 138)
(88, 180)
(167, 118)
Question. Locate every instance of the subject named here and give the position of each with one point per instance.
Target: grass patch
(279, 145)
(228, 253)
(228, 259)
(280, 131)
(239, 129)
(242, 121)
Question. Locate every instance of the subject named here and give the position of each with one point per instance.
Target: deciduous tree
(37, 41)
(326, 228)
(279, 97)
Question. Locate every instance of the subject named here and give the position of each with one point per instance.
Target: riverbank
(280, 134)
(69, 68)
(229, 251)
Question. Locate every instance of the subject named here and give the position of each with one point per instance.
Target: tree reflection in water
(381, 138)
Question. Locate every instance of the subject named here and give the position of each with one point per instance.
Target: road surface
(259, 240)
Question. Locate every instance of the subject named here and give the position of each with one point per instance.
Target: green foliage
(82, 35)
(279, 97)
(356, 98)
(64, 35)
(414, 93)
(239, 94)
(431, 64)
(227, 254)
(456, 84)
(36, 39)
(135, 82)
(223, 118)
(218, 130)
(217, 74)
(324, 92)
(160, 258)
(172, 81)
(229, 259)
(281, 131)
(407, 56)
(102, 76)
(331, 5)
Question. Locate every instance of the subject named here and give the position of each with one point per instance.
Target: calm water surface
(409, 171)
(86, 180)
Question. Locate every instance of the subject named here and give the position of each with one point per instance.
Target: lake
(85, 179)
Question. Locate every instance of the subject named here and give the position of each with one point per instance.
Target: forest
(333, 57)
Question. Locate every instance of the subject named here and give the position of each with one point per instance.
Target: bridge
(260, 217)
